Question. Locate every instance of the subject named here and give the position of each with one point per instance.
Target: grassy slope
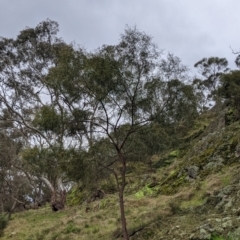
(161, 204)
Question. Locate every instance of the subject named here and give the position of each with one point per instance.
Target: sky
(190, 29)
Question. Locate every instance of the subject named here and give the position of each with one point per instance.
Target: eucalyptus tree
(33, 105)
(211, 69)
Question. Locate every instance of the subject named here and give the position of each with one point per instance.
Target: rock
(207, 227)
(98, 194)
(218, 230)
(229, 204)
(192, 172)
(227, 222)
(204, 235)
(237, 151)
(212, 165)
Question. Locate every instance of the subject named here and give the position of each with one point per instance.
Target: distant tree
(230, 91)
(173, 106)
(171, 68)
(211, 69)
(201, 94)
(237, 61)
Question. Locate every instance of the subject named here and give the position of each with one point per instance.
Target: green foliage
(218, 237)
(174, 106)
(64, 76)
(75, 196)
(206, 89)
(75, 122)
(146, 191)
(39, 161)
(109, 186)
(73, 164)
(230, 92)
(47, 119)
(108, 202)
(167, 159)
(103, 73)
(174, 154)
(71, 228)
(212, 66)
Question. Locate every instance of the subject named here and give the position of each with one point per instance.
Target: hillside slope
(188, 193)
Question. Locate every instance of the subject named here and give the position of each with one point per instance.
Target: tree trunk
(121, 198)
(54, 196)
(58, 193)
(63, 197)
(122, 212)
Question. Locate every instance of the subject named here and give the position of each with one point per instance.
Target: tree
(13, 183)
(230, 92)
(122, 98)
(211, 69)
(171, 68)
(33, 106)
(113, 99)
(237, 61)
(173, 107)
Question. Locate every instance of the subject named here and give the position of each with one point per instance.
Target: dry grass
(103, 218)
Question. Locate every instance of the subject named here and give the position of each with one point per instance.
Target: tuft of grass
(70, 228)
(3, 223)
(146, 191)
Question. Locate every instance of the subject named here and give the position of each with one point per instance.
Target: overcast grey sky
(190, 29)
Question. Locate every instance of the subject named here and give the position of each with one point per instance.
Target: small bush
(175, 207)
(109, 187)
(216, 237)
(75, 197)
(71, 229)
(146, 191)
(95, 230)
(174, 154)
(3, 224)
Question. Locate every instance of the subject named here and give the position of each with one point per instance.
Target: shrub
(3, 224)
(70, 228)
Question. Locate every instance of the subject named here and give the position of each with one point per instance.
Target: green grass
(157, 209)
